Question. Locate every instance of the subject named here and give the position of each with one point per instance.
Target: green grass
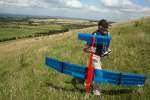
(24, 76)
(18, 30)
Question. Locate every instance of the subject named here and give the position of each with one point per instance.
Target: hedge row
(76, 26)
(50, 32)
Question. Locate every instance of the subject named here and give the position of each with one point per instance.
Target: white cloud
(52, 4)
(72, 3)
(42, 3)
(96, 9)
(118, 3)
(108, 8)
(124, 6)
(24, 3)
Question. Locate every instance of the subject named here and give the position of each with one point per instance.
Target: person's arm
(108, 33)
(95, 32)
(86, 48)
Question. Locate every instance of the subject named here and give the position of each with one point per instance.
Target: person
(100, 50)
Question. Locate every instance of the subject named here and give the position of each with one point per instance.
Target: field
(24, 76)
(34, 27)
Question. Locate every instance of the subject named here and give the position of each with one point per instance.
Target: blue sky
(89, 9)
(142, 2)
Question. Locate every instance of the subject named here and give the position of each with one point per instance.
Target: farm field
(34, 27)
(24, 75)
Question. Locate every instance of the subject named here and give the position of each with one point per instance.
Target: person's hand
(92, 50)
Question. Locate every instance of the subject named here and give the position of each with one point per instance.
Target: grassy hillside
(24, 76)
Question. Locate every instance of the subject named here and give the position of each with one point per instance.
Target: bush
(50, 32)
(137, 23)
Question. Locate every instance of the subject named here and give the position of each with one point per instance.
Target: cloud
(52, 4)
(84, 8)
(24, 3)
(118, 3)
(125, 6)
(72, 3)
(93, 8)
(77, 4)
(42, 3)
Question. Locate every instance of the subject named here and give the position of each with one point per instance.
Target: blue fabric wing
(55, 64)
(132, 79)
(75, 70)
(100, 76)
(116, 78)
(99, 39)
(66, 68)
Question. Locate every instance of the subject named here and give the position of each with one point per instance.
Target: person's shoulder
(95, 32)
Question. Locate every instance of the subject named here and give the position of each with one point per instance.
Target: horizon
(113, 10)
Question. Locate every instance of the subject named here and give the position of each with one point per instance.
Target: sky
(87, 9)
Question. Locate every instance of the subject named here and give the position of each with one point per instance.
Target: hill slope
(23, 74)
